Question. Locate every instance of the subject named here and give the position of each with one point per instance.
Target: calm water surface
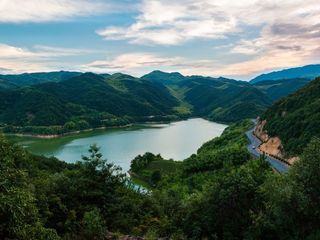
(176, 140)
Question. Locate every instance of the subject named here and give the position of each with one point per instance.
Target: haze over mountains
(308, 72)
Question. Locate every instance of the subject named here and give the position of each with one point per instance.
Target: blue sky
(238, 39)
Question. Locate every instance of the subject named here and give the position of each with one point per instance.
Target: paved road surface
(252, 148)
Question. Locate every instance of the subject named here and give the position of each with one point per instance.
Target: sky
(237, 39)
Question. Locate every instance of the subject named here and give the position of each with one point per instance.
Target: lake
(176, 140)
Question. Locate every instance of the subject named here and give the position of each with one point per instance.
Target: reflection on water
(176, 140)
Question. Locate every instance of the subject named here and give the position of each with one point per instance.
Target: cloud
(287, 32)
(173, 22)
(40, 58)
(49, 10)
(140, 63)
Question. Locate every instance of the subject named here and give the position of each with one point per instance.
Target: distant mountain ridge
(94, 100)
(308, 71)
(276, 89)
(219, 99)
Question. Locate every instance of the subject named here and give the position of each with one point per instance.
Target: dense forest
(62, 102)
(82, 102)
(296, 118)
(221, 192)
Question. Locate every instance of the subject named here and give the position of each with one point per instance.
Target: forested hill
(220, 99)
(26, 79)
(276, 89)
(58, 102)
(296, 118)
(85, 101)
(309, 71)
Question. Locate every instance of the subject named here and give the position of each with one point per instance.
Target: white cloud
(49, 10)
(288, 30)
(169, 22)
(40, 58)
(140, 63)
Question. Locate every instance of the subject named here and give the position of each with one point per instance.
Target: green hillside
(27, 79)
(276, 89)
(219, 99)
(308, 71)
(296, 118)
(88, 100)
(92, 100)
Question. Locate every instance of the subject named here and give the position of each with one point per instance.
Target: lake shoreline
(176, 140)
(53, 136)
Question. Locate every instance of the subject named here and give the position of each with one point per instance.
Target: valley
(188, 176)
(57, 103)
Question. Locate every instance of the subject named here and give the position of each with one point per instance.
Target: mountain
(58, 98)
(296, 118)
(27, 79)
(163, 77)
(276, 89)
(222, 99)
(4, 84)
(219, 99)
(309, 71)
(89, 100)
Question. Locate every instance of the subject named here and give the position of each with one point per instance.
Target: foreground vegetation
(219, 193)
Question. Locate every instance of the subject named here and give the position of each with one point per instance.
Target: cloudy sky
(238, 39)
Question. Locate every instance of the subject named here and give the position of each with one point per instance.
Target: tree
(155, 177)
(19, 217)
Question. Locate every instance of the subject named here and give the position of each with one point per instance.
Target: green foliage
(221, 192)
(292, 201)
(220, 99)
(150, 168)
(276, 89)
(295, 119)
(19, 218)
(94, 225)
(82, 102)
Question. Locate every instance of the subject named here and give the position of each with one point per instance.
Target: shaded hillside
(164, 77)
(136, 98)
(309, 71)
(276, 89)
(27, 79)
(296, 118)
(4, 84)
(85, 101)
(29, 106)
(220, 99)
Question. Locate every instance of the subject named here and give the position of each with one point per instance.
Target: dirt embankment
(271, 145)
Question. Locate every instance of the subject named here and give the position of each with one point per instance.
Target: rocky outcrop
(271, 145)
(259, 130)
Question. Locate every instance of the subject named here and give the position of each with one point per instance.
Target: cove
(177, 140)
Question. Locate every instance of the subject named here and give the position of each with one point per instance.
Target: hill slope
(276, 89)
(296, 118)
(220, 99)
(309, 71)
(28, 79)
(89, 99)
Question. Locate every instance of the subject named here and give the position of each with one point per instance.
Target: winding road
(253, 149)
